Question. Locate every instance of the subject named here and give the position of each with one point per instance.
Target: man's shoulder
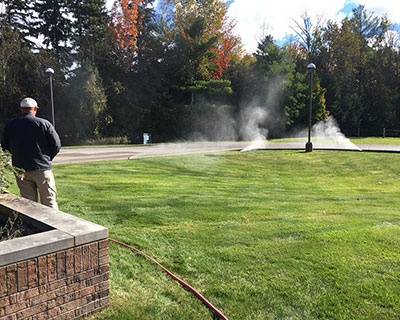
(37, 120)
(42, 121)
(23, 120)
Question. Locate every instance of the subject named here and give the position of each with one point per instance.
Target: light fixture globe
(50, 70)
(311, 66)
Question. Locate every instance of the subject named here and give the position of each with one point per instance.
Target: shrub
(5, 166)
(13, 228)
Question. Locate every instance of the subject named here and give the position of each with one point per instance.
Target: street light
(309, 146)
(50, 71)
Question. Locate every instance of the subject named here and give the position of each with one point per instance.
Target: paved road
(84, 154)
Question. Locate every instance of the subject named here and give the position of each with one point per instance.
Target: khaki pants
(32, 181)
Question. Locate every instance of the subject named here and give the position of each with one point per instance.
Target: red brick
(11, 317)
(66, 316)
(52, 313)
(105, 268)
(32, 274)
(57, 284)
(19, 297)
(17, 307)
(97, 279)
(103, 244)
(42, 267)
(13, 299)
(60, 264)
(12, 279)
(83, 276)
(42, 316)
(84, 310)
(32, 311)
(31, 293)
(71, 305)
(43, 298)
(86, 257)
(3, 281)
(104, 301)
(52, 304)
(74, 287)
(5, 301)
(94, 253)
(103, 285)
(104, 293)
(78, 259)
(84, 292)
(69, 261)
(103, 252)
(52, 267)
(43, 289)
(104, 260)
(55, 302)
(22, 276)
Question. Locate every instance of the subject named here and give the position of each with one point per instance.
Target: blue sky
(277, 17)
(257, 17)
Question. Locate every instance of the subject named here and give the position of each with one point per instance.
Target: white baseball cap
(28, 103)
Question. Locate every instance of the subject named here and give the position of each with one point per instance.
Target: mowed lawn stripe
(262, 235)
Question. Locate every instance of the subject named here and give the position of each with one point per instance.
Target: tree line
(179, 72)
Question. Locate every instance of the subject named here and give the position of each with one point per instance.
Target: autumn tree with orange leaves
(125, 27)
(182, 14)
(227, 45)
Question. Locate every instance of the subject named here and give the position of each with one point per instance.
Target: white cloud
(109, 4)
(278, 15)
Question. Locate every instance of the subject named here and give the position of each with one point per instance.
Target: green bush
(5, 166)
(13, 228)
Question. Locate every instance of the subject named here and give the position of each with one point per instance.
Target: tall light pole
(311, 67)
(50, 71)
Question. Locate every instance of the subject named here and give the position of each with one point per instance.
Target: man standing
(33, 143)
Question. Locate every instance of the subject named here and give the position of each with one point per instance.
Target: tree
(125, 26)
(351, 55)
(309, 35)
(183, 16)
(83, 112)
(382, 94)
(89, 30)
(22, 73)
(52, 20)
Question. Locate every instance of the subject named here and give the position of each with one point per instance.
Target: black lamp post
(309, 146)
(50, 71)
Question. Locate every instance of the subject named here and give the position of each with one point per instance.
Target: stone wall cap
(35, 245)
(81, 230)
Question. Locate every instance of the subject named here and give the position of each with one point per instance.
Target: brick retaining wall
(68, 284)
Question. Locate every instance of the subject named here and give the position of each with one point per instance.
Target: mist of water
(328, 134)
(251, 128)
(255, 119)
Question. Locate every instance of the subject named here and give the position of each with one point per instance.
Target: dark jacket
(33, 142)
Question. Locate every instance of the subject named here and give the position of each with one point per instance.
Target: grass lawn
(355, 140)
(376, 140)
(262, 235)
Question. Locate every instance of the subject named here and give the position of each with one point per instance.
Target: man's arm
(53, 140)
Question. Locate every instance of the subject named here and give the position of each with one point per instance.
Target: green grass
(262, 235)
(355, 140)
(376, 140)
